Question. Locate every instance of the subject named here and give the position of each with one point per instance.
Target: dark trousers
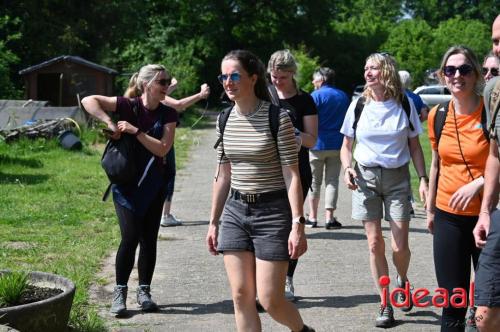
(135, 232)
(453, 250)
(171, 169)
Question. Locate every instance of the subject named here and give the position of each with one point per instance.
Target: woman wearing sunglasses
(167, 218)
(386, 138)
(491, 65)
(139, 204)
(456, 177)
(262, 224)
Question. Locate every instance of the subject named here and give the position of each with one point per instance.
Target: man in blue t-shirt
(421, 108)
(332, 105)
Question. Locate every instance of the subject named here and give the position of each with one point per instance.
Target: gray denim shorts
(262, 228)
(382, 191)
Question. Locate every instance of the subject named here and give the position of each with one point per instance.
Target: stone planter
(51, 314)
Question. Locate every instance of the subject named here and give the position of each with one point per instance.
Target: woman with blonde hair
(386, 138)
(139, 203)
(301, 108)
(459, 153)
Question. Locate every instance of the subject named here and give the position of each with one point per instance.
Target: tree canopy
(191, 37)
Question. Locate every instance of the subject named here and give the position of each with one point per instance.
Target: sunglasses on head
(450, 71)
(234, 77)
(163, 81)
(493, 71)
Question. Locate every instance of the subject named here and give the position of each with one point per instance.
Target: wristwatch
(299, 220)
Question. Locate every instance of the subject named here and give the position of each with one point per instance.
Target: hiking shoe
(311, 223)
(289, 289)
(119, 304)
(170, 220)
(401, 297)
(144, 299)
(386, 317)
(333, 224)
(307, 329)
(470, 320)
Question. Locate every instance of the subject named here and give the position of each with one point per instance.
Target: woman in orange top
(456, 177)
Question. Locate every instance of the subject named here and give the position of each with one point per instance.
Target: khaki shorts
(381, 191)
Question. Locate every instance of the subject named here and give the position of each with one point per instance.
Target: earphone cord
(462, 154)
(202, 115)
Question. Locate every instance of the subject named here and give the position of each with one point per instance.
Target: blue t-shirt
(417, 101)
(332, 105)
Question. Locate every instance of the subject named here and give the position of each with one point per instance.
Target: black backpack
(440, 119)
(360, 105)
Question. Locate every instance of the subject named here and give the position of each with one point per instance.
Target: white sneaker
(289, 289)
(170, 220)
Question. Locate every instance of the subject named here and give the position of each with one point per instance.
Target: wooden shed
(61, 80)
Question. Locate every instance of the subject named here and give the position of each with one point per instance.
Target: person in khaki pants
(332, 105)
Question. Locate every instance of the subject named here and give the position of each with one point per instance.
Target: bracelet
(345, 169)
(137, 132)
(485, 212)
(425, 177)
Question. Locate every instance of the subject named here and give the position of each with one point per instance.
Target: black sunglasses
(164, 81)
(450, 71)
(493, 71)
(234, 77)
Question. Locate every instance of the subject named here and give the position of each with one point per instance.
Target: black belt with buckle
(258, 198)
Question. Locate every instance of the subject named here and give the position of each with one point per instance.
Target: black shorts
(262, 228)
(487, 290)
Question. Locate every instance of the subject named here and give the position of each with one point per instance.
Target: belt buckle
(250, 198)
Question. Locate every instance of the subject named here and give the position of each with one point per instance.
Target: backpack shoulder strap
(274, 120)
(273, 93)
(407, 108)
(360, 104)
(440, 119)
(223, 116)
(484, 123)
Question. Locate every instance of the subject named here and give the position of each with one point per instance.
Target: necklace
(251, 114)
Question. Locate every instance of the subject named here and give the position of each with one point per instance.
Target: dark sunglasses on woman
(493, 71)
(164, 82)
(450, 71)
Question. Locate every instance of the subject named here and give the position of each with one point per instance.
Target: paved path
(332, 281)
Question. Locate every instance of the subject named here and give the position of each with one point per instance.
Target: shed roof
(69, 58)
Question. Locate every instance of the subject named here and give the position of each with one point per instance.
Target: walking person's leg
(148, 240)
(270, 279)
(167, 218)
(452, 263)
(240, 269)
(332, 172)
(317, 167)
(125, 257)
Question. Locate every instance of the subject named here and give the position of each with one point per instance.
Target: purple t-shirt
(138, 198)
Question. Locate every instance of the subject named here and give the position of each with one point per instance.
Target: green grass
(426, 147)
(52, 217)
(12, 286)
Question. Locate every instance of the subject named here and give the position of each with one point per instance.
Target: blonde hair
(145, 76)
(282, 60)
(389, 77)
(471, 59)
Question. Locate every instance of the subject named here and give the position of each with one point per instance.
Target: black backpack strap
(484, 123)
(274, 121)
(491, 130)
(407, 108)
(360, 104)
(273, 93)
(223, 116)
(440, 119)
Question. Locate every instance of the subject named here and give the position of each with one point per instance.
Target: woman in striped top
(262, 224)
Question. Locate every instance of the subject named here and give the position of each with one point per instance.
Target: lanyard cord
(462, 154)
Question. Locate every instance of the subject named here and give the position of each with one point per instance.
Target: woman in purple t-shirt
(139, 204)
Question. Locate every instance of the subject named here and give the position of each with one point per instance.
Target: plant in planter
(35, 301)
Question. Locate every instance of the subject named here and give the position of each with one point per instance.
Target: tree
(7, 59)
